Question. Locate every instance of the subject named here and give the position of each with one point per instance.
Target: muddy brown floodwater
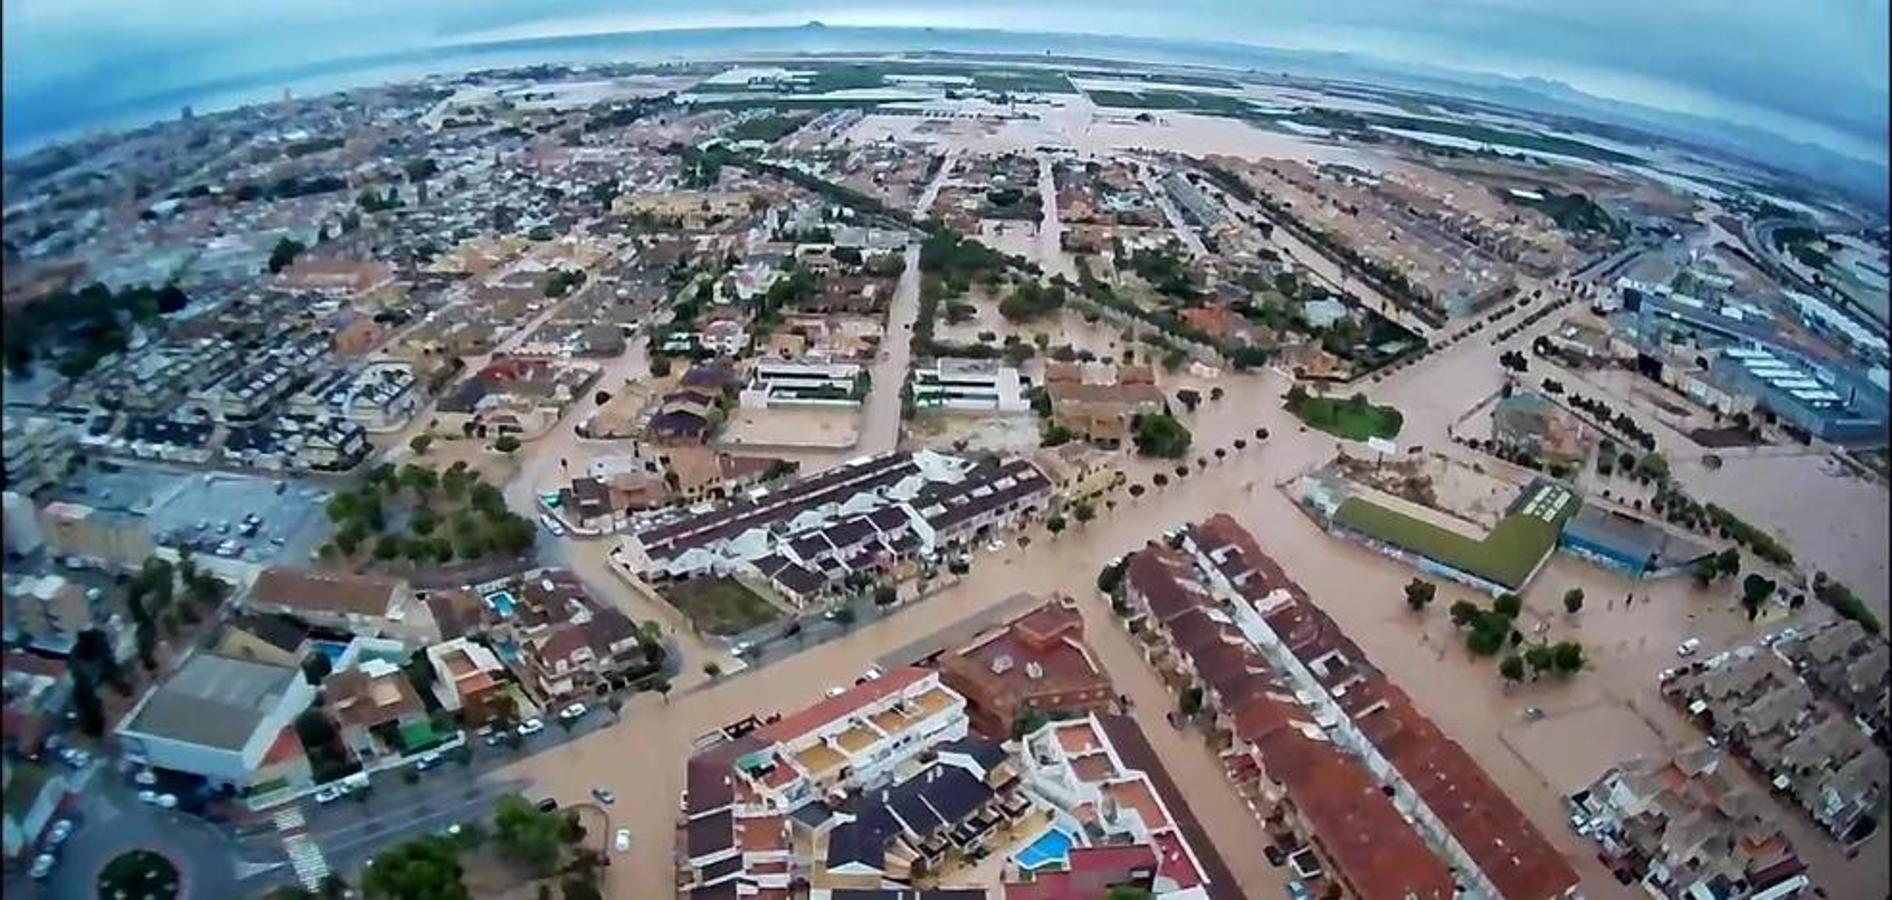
(642, 757)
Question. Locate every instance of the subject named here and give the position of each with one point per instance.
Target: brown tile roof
(355, 698)
(332, 592)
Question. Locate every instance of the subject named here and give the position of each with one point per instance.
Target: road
(1051, 253)
(880, 418)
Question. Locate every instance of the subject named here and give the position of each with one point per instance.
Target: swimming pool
(1053, 848)
(501, 603)
(330, 649)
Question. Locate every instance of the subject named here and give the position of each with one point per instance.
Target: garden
(138, 875)
(1353, 418)
(722, 606)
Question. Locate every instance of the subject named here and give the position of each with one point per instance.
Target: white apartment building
(969, 385)
(775, 384)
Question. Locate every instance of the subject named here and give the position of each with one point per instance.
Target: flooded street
(642, 757)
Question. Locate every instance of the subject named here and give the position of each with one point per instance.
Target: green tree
(86, 702)
(1161, 435)
(712, 670)
(284, 254)
(530, 837)
(1055, 524)
(1573, 600)
(1420, 592)
(1541, 658)
(1755, 589)
(844, 615)
(1083, 512)
(1508, 605)
(316, 668)
(885, 594)
(423, 869)
(1512, 668)
(1464, 612)
(1567, 657)
(506, 444)
(1190, 702)
(1728, 562)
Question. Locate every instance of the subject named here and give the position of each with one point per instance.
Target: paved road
(112, 822)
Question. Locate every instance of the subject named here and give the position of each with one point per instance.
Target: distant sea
(35, 120)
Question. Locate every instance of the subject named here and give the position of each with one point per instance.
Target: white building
(971, 385)
(775, 383)
(218, 717)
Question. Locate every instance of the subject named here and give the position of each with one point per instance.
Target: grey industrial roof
(214, 701)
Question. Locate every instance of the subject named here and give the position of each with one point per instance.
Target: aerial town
(932, 477)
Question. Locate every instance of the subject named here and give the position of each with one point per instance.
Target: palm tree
(1241, 443)
(1261, 434)
(1221, 453)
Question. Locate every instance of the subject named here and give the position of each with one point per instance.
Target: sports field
(1507, 555)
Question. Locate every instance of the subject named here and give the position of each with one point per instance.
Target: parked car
(61, 830)
(329, 794)
(604, 796)
(1532, 713)
(428, 761)
(742, 648)
(43, 866)
(573, 711)
(75, 757)
(622, 842)
(547, 805)
(530, 727)
(1688, 647)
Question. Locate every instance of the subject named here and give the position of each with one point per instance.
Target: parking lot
(210, 511)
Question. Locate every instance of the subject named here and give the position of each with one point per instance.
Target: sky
(1812, 70)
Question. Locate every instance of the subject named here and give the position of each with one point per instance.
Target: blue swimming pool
(501, 603)
(1053, 848)
(330, 649)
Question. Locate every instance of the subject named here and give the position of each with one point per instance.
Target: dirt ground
(811, 428)
(1001, 434)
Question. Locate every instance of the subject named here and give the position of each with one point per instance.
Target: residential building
(1528, 421)
(102, 537)
(1466, 819)
(376, 709)
(570, 658)
(1106, 788)
(1841, 660)
(470, 680)
(364, 605)
(745, 793)
(48, 611)
(867, 515)
(1030, 667)
(37, 691)
(967, 385)
(776, 384)
(1295, 778)
(278, 640)
(727, 336)
(217, 717)
(1754, 703)
(38, 450)
(1099, 402)
(886, 839)
(1079, 472)
(1685, 828)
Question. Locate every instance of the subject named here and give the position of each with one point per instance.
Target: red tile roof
(1504, 843)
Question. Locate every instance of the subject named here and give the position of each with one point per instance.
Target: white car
(742, 648)
(43, 866)
(167, 801)
(836, 691)
(552, 525)
(146, 778)
(329, 794)
(148, 796)
(996, 545)
(75, 757)
(622, 841)
(1688, 647)
(576, 710)
(61, 830)
(530, 727)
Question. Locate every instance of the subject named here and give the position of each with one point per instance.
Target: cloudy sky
(1815, 70)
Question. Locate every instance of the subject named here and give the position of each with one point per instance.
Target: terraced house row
(1324, 747)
